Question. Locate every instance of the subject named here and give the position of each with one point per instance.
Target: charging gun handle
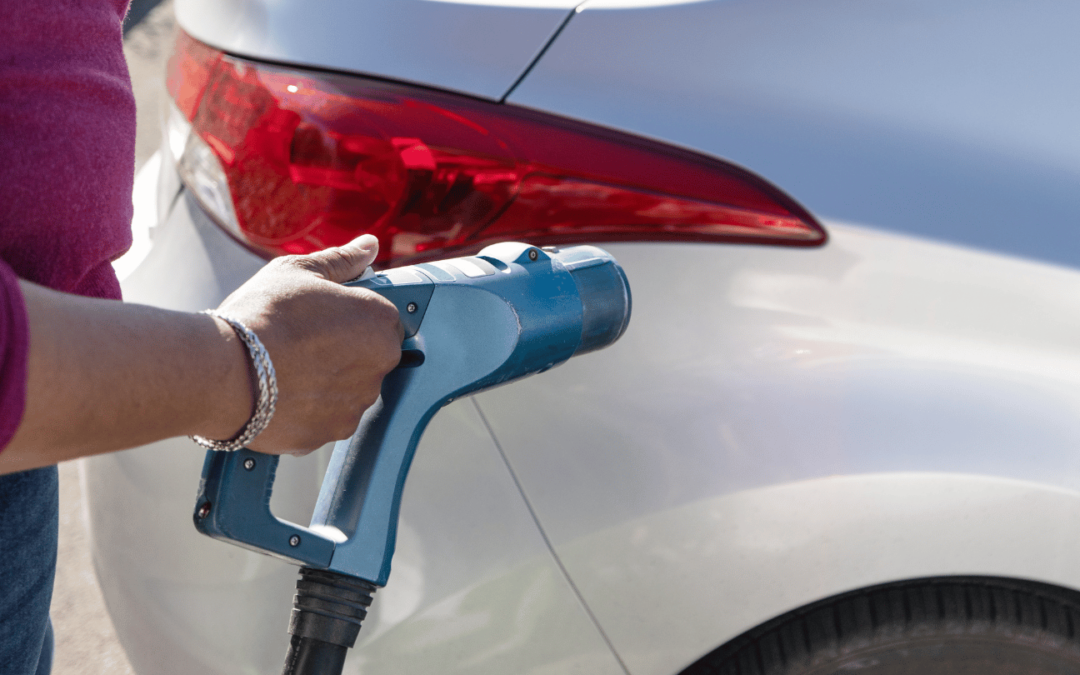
(360, 497)
(361, 492)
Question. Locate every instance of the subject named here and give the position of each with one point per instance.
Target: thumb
(342, 263)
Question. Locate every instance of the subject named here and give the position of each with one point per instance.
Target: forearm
(103, 375)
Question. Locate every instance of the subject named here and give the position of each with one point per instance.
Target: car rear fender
(777, 426)
(671, 587)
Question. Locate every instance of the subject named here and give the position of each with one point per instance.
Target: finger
(342, 263)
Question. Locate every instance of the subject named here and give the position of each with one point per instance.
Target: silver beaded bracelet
(268, 391)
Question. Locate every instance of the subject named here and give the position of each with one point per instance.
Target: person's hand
(330, 344)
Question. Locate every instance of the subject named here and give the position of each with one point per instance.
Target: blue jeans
(29, 515)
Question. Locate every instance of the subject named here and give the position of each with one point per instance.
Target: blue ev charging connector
(471, 323)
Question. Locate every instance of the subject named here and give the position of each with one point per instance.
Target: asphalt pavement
(86, 643)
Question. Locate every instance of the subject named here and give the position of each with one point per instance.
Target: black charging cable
(327, 611)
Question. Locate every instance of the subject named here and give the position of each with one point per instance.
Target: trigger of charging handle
(327, 611)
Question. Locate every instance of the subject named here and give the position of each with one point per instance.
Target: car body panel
(478, 49)
(751, 366)
(815, 381)
(948, 120)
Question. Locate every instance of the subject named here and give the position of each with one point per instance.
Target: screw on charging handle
(470, 323)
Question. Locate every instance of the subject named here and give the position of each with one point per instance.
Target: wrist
(233, 389)
(265, 392)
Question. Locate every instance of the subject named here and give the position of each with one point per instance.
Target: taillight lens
(294, 161)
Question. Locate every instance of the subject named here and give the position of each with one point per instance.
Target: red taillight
(190, 68)
(314, 159)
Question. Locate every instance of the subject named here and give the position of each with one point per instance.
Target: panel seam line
(543, 50)
(547, 541)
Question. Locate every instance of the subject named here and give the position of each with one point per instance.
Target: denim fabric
(29, 515)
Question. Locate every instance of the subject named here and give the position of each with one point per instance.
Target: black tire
(948, 626)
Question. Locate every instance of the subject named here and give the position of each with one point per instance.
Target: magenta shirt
(67, 156)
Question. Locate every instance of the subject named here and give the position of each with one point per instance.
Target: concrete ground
(86, 643)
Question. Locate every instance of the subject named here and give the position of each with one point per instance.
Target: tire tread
(1019, 610)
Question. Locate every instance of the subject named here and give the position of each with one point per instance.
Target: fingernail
(367, 241)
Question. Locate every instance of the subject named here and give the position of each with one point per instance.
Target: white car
(808, 454)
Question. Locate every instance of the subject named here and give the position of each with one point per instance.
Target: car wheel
(950, 626)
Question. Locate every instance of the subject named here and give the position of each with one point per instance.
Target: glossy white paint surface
(746, 368)
(479, 49)
(954, 120)
(751, 366)
(475, 588)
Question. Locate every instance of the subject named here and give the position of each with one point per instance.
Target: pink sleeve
(14, 348)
